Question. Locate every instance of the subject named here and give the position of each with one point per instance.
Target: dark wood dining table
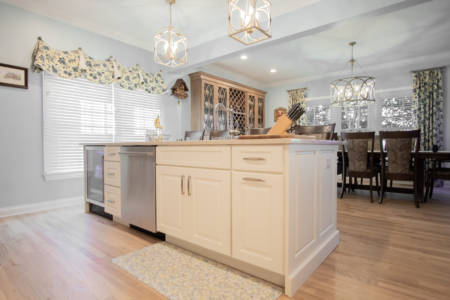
(419, 164)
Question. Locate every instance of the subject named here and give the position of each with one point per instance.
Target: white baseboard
(40, 206)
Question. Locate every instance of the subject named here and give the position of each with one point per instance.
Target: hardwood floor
(389, 251)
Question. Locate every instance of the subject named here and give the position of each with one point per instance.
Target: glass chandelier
(353, 90)
(170, 45)
(249, 21)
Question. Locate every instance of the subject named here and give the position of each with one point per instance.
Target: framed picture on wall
(13, 76)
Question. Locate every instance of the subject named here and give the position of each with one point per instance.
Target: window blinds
(78, 111)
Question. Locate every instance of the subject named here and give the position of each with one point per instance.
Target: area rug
(182, 275)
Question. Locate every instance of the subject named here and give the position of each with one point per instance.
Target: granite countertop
(280, 141)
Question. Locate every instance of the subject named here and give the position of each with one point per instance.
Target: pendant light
(249, 21)
(170, 45)
(353, 90)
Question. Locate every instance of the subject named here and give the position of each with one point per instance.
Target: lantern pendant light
(249, 21)
(170, 45)
(353, 90)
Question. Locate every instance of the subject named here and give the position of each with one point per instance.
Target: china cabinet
(208, 90)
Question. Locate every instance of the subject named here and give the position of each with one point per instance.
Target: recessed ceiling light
(273, 70)
(244, 57)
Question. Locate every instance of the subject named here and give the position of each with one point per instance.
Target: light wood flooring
(389, 251)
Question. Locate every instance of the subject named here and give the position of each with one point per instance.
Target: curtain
(77, 64)
(428, 93)
(298, 96)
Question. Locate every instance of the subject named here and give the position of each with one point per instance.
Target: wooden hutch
(208, 90)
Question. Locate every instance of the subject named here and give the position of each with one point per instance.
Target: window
(354, 118)
(78, 111)
(398, 113)
(318, 115)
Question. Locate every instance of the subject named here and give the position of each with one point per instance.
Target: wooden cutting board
(276, 136)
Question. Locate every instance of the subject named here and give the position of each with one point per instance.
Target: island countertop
(279, 141)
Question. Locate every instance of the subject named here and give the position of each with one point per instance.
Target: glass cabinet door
(208, 106)
(260, 113)
(222, 98)
(251, 111)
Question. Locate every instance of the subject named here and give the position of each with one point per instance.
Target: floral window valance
(76, 64)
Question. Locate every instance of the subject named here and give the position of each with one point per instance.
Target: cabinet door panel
(210, 200)
(257, 218)
(171, 200)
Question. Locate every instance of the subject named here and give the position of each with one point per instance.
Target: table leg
(420, 171)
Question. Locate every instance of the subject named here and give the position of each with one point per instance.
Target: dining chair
(254, 131)
(218, 134)
(323, 132)
(396, 160)
(435, 172)
(360, 159)
(196, 135)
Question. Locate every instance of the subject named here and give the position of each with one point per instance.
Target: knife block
(281, 126)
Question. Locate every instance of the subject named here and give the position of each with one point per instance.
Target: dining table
(420, 159)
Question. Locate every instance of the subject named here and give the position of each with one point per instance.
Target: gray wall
(390, 82)
(21, 180)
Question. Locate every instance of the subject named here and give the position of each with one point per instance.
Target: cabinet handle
(189, 186)
(182, 185)
(253, 179)
(111, 201)
(254, 158)
(111, 174)
(112, 154)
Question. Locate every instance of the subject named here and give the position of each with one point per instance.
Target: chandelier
(353, 90)
(170, 45)
(249, 21)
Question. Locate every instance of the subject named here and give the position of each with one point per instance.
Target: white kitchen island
(267, 207)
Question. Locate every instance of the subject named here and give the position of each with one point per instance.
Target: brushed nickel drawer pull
(253, 179)
(189, 186)
(254, 158)
(111, 201)
(112, 154)
(111, 174)
(182, 185)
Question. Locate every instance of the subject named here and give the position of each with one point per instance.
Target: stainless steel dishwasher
(138, 184)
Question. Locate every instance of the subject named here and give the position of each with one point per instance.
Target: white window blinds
(78, 111)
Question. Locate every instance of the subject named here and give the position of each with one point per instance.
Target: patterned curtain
(298, 96)
(75, 64)
(428, 93)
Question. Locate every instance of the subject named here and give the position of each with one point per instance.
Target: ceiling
(401, 35)
(309, 40)
(136, 21)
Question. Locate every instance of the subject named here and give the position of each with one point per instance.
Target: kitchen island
(266, 207)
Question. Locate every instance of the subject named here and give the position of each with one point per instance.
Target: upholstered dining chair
(359, 148)
(396, 160)
(196, 135)
(254, 131)
(323, 132)
(218, 134)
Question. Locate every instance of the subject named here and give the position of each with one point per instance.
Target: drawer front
(112, 153)
(112, 173)
(258, 158)
(215, 157)
(113, 204)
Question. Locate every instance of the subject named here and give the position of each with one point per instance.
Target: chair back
(254, 131)
(321, 132)
(396, 148)
(218, 134)
(193, 135)
(357, 145)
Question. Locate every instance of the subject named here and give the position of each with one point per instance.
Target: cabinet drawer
(113, 204)
(216, 157)
(258, 158)
(112, 153)
(112, 173)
